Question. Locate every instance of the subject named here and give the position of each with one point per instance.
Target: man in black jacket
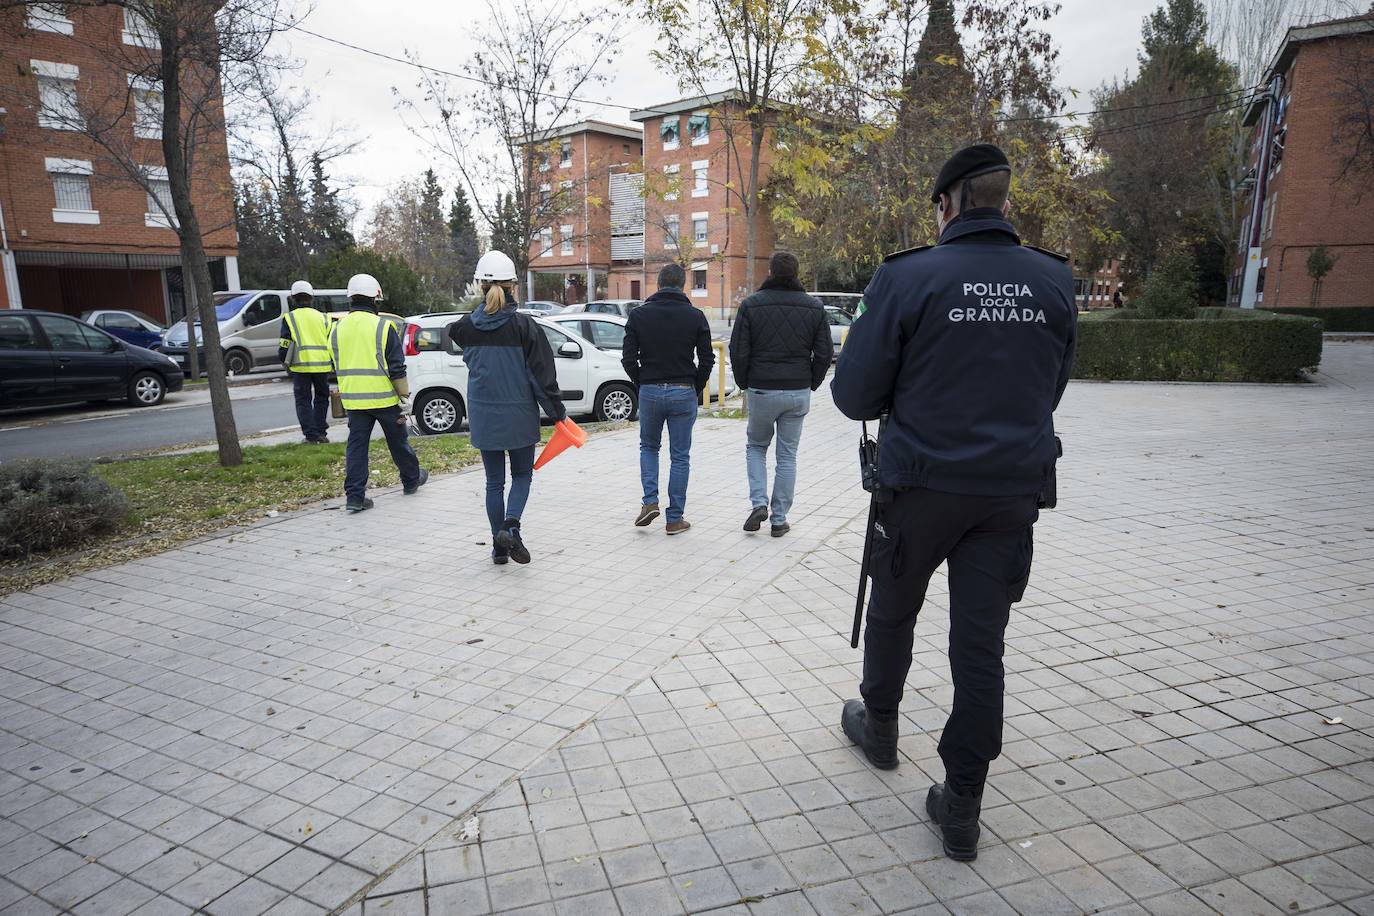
(967, 346)
(661, 338)
(780, 351)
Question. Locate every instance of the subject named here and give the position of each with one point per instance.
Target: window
(699, 230)
(699, 129)
(57, 95)
(16, 333)
(672, 231)
(137, 31)
(565, 234)
(147, 108)
(49, 17)
(546, 242)
(71, 185)
(70, 334)
(557, 339)
(264, 309)
(430, 339)
(607, 334)
(118, 321)
(671, 132)
(674, 184)
(698, 279)
(565, 153)
(160, 209)
(544, 163)
(700, 185)
(545, 195)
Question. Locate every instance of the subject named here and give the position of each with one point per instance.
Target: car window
(118, 320)
(427, 339)
(331, 302)
(17, 333)
(556, 338)
(70, 334)
(836, 317)
(608, 334)
(601, 308)
(264, 308)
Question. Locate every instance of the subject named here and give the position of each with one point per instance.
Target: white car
(621, 307)
(592, 381)
(839, 325)
(607, 332)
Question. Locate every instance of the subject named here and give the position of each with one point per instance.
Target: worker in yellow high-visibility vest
(371, 367)
(303, 349)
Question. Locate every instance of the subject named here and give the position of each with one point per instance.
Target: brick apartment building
(76, 233)
(693, 152)
(587, 179)
(1298, 198)
(1096, 289)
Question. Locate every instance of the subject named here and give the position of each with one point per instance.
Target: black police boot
(957, 817)
(359, 505)
(875, 733)
(508, 539)
(500, 557)
(419, 482)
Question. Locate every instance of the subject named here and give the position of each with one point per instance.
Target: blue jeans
(499, 508)
(312, 402)
(355, 453)
(676, 406)
(784, 412)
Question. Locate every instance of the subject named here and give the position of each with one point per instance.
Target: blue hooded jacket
(510, 376)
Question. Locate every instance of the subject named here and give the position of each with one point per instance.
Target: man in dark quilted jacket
(780, 350)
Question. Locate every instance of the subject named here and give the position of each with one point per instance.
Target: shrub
(1233, 345)
(46, 505)
(1172, 290)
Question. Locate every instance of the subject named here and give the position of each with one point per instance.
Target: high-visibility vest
(358, 345)
(310, 335)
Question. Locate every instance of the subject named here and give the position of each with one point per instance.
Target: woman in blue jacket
(510, 376)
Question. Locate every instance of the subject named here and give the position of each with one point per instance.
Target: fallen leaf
(271, 711)
(1334, 720)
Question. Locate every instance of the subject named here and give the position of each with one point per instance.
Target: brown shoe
(647, 513)
(677, 527)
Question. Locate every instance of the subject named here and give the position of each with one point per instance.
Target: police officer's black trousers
(987, 543)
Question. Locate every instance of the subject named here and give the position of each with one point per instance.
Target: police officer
(371, 368)
(966, 346)
(303, 349)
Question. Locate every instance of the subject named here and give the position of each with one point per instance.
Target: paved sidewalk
(304, 717)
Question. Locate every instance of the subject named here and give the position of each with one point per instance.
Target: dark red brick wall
(1313, 206)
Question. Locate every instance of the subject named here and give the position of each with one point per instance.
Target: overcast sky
(1097, 40)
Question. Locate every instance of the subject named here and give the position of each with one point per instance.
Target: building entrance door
(634, 289)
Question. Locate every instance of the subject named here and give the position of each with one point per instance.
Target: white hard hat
(364, 285)
(302, 286)
(496, 267)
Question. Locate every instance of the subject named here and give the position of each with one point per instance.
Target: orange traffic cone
(565, 433)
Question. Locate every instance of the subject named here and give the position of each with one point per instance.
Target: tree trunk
(751, 202)
(192, 357)
(193, 248)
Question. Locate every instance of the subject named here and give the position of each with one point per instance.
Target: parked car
(839, 323)
(249, 325)
(542, 307)
(845, 302)
(48, 358)
(130, 327)
(621, 307)
(592, 381)
(607, 332)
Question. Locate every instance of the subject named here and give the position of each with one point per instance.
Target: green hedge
(1355, 318)
(1220, 345)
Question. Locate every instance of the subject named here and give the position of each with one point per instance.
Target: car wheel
(438, 412)
(147, 389)
(237, 362)
(616, 401)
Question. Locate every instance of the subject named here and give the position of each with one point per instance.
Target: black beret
(969, 162)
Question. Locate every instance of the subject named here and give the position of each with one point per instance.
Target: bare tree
(272, 149)
(1354, 129)
(758, 48)
(535, 60)
(169, 85)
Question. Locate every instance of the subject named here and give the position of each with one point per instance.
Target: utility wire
(467, 77)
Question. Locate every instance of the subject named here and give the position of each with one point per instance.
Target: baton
(868, 468)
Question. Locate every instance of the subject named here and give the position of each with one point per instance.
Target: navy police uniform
(967, 347)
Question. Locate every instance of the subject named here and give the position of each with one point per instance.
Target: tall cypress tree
(463, 242)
